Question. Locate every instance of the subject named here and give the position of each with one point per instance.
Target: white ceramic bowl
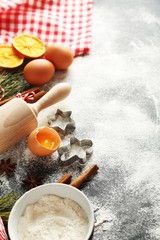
(33, 195)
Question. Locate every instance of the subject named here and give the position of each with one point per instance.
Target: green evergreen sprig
(12, 82)
(6, 204)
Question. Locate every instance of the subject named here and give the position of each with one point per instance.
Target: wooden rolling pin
(19, 118)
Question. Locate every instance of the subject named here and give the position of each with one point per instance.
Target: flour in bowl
(53, 217)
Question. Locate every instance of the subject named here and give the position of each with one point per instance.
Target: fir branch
(12, 81)
(6, 204)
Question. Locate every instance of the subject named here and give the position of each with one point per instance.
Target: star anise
(33, 181)
(7, 167)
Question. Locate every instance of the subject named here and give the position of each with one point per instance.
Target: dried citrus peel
(8, 57)
(29, 45)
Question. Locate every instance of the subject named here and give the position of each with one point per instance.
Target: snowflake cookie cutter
(76, 150)
(62, 122)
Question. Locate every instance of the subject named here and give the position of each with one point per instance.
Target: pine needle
(6, 204)
(12, 81)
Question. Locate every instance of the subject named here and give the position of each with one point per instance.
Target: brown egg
(38, 71)
(60, 55)
(43, 141)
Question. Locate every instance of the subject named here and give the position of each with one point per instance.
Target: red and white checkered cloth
(62, 21)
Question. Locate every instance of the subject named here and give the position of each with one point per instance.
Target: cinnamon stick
(85, 176)
(65, 179)
(37, 96)
(34, 89)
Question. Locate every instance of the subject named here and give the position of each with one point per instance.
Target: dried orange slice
(9, 58)
(29, 45)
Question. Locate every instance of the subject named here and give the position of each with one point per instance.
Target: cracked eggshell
(43, 141)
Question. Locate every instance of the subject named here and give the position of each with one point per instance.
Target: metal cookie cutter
(77, 150)
(62, 122)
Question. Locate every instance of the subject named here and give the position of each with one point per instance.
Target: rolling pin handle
(54, 95)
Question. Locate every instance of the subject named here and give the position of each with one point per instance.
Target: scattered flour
(53, 217)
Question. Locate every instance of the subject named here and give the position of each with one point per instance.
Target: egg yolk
(47, 143)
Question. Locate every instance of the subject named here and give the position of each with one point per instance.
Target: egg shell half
(36, 141)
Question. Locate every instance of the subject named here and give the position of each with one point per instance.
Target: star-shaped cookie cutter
(62, 122)
(77, 150)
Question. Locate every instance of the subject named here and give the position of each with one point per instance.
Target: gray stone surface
(115, 102)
